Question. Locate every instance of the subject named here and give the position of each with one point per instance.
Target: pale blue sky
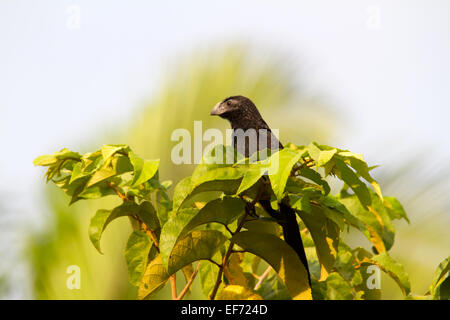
(389, 76)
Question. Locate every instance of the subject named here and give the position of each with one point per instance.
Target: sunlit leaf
(379, 227)
(236, 292)
(286, 160)
(143, 169)
(395, 209)
(186, 189)
(440, 286)
(108, 150)
(117, 166)
(352, 180)
(254, 172)
(394, 269)
(356, 161)
(155, 277)
(325, 156)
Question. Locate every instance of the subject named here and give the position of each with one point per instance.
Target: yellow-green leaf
(155, 277)
(281, 257)
(236, 292)
(286, 160)
(197, 245)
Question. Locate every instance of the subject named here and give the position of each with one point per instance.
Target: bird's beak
(216, 111)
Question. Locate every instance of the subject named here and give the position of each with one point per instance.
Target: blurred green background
(42, 236)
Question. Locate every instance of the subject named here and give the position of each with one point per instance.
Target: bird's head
(233, 107)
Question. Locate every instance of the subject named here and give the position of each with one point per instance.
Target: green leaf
(254, 172)
(45, 160)
(263, 225)
(136, 254)
(325, 156)
(117, 166)
(352, 180)
(236, 292)
(155, 277)
(442, 291)
(197, 245)
(394, 269)
(163, 206)
(208, 274)
(439, 289)
(395, 209)
(109, 150)
(95, 192)
(325, 234)
(63, 154)
(281, 257)
(185, 189)
(210, 172)
(334, 204)
(102, 218)
(379, 228)
(314, 151)
(316, 177)
(338, 288)
(300, 203)
(172, 231)
(144, 170)
(147, 213)
(286, 160)
(87, 166)
(273, 289)
(356, 161)
(223, 211)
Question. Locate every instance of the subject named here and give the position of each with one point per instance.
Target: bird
(246, 123)
(244, 116)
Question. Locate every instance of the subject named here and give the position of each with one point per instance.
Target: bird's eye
(228, 103)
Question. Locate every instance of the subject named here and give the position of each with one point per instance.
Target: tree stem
(189, 283)
(225, 258)
(173, 285)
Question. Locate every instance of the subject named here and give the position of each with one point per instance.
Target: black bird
(243, 115)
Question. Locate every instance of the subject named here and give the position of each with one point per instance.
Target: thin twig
(114, 187)
(262, 278)
(225, 259)
(189, 283)
(173, 284)
(229, 230)
(217, 264)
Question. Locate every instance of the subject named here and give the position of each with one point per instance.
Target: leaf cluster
(214, 217)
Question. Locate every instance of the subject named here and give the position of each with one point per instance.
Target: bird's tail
(291, 231)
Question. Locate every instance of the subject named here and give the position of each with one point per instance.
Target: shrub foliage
(213, 226)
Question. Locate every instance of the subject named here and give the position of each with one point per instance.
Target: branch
(173, 284)
(119, 194)
(227, 255)
(262, 278)
(189, 283)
